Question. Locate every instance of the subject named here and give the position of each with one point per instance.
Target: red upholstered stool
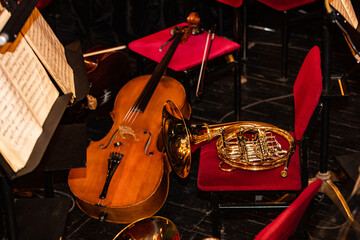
(307, 90)
(187, 55)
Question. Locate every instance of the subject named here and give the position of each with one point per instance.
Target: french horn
(246, 145)
(152, 228)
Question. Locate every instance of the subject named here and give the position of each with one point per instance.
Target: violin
(107, 70)
(127, 173)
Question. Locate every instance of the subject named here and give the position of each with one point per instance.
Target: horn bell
(155, 227)
(176, 137)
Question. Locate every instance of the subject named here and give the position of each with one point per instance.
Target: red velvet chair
(285, 225)
(237, 5)
(189, 55)
(233, 3)
(307, 90)
(42, 4)
(285, 6)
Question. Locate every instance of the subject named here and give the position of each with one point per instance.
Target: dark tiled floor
(264, 98)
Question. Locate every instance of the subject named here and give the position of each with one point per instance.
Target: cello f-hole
(147, 143)
(111, 139)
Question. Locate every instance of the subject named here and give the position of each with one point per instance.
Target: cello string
(150, 87)
(133, 112)
(158, 74)
(145, 96)
(154, 80)
(159, 71)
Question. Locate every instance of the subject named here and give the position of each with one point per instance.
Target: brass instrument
(152, 228)
(241, 145)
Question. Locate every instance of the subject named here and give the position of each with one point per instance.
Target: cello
(127, 173)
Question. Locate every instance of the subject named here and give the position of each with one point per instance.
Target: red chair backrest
(286, 223)
(42, 4)
(233, 3)
(284, 5)
(307, 90)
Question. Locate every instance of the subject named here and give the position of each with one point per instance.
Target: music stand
(328, 187)
(28, 218)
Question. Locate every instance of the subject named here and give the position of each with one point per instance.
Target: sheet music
(29, 77)
(26, 98)
(50, 51)
(4, 16)
(19, 129)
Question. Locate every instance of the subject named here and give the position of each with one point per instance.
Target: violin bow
(104, 51)
(209, 40)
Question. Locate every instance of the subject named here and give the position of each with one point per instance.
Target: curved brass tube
(245, 145)
(152, 228)
(327, 6)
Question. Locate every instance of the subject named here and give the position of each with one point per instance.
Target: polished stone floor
(264, 97)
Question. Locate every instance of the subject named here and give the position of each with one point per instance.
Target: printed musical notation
(27, 93)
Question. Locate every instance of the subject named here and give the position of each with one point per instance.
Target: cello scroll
(193, 28)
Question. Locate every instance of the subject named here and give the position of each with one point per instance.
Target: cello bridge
(125, 130)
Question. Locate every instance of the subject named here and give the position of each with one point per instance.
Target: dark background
(265, 97)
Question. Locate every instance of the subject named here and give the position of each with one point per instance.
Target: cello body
(139, 185)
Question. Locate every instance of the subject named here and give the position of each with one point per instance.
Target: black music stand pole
(328, 187)
(325, 99)
(9, 207)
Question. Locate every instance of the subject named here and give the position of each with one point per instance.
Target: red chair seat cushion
(284, 5)
(187, 55)
(211, 178)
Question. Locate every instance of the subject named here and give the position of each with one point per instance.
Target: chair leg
(285, 43)
(216, 215)
(187, 85)
(140, 65)
(9, 208)
(244, 40)
(221, 25)
(237, 87)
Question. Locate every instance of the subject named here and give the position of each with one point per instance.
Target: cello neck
(150, 87)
